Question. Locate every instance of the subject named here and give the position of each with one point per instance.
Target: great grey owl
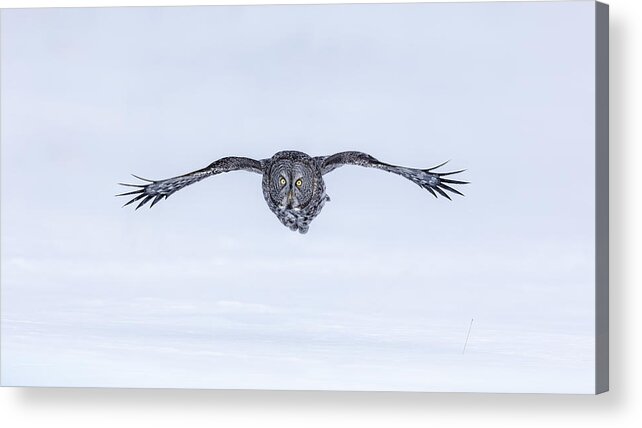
(293, 185)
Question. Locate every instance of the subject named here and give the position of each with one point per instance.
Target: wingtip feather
(141, 178)
(445, 186)
(438, 166)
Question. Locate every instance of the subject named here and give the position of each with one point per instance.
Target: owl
(292, 182)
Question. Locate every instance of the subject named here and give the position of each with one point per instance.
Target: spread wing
(427, 179)
(155, 190)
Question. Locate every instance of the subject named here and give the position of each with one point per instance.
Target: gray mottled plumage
(293, 185)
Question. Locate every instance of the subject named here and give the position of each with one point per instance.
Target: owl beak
(290, 198)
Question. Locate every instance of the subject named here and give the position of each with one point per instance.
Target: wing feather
(158, 189)
(427, 179)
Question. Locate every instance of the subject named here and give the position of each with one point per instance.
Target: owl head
(293, 180)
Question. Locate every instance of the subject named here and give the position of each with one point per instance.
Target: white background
(95, 295)
(82, 407)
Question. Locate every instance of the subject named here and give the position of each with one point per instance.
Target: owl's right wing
(429, 179)
(155, 190)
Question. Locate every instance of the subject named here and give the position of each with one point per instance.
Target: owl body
(294, 189)
(292, 181)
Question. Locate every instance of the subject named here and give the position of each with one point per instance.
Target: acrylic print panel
(390, 288)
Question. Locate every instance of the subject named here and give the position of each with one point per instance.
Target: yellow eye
(299, 183)
(282, 181)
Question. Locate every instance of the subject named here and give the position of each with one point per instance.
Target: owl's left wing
(427, 179)
(155, 190)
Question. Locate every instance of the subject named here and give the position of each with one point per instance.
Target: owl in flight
(293, 185)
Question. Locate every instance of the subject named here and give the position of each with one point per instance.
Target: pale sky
(208, 289)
